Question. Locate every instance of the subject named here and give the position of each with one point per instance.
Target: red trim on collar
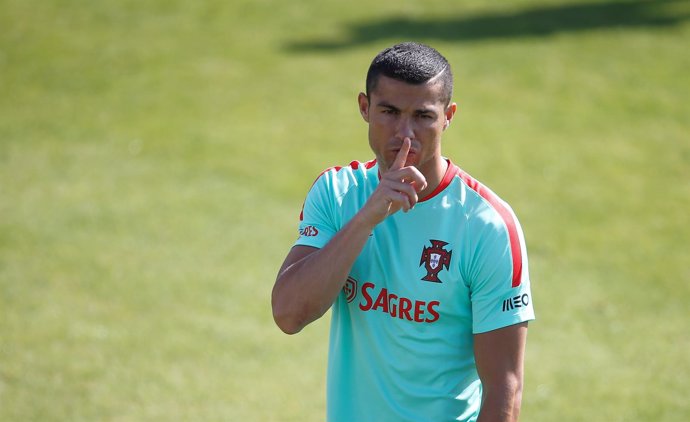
(451, 172)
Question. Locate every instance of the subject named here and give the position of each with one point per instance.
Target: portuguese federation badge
(434, 258)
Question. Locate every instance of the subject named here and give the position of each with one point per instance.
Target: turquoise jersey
(401, 340)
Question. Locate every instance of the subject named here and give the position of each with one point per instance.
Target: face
(396, 110)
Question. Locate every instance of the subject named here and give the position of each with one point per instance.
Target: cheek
(379, 123)
(377, 140)
(430, 133)
(378, 132)
(436, 125)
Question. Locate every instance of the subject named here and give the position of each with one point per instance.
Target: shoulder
(493, 221)
(332, 184)
(341, 178)
(483, 204)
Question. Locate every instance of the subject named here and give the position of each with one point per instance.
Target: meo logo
(515, 302)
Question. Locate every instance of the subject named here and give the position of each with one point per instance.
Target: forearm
(305, 290)
(501, 404)
(499, 355)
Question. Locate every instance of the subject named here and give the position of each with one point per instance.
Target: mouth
(397, 150)
(410, 160)
(393, 149)
(413, 150)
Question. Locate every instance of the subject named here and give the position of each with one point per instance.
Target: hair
(413, 63)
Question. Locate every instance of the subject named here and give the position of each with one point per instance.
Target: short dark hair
(413, 63)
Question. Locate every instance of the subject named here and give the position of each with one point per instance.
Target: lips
(393, 149)
(410, 160)
(413, 149)
(410, 152)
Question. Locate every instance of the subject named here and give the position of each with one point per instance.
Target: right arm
(310, 279)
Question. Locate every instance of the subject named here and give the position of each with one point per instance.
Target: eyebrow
(384, 104)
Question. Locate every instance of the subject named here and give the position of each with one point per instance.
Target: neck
(433, 171)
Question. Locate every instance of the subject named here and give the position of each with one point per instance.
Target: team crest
(350, 289)
(434, 258)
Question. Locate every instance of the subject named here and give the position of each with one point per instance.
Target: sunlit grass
(154, 157)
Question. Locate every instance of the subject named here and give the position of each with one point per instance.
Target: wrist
(361, 222)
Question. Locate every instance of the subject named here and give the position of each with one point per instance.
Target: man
(425, 268)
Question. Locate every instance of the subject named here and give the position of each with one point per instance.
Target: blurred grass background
(154, 157)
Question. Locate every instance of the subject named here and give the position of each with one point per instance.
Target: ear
(450, 113)
(363, 102)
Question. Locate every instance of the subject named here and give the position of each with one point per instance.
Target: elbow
(513, 394)
(508, 385)
(292, 313)
(504, 398)
(517, 400)
(517, 397)
(287, 324)
(511, 390)
(285, 318)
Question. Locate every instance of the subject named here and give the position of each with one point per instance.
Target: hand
(398, 189)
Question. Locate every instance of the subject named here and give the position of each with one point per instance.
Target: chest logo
(434, 258)
(350, 289)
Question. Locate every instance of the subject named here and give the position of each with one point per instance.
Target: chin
(412, 160)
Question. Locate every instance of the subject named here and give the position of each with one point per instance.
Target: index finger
(401, 158)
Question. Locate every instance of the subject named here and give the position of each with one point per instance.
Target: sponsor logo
(434, 258)
(518, 301)
(309, 231)
(397, 306)
(350, 289)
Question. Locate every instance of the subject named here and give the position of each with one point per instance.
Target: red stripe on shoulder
(367, 165)
(508, 219)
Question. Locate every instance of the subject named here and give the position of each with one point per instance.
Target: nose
(405, 128)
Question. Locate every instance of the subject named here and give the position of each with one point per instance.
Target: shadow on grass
(534, 22)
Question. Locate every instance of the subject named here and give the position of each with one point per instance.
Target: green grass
(154, 157)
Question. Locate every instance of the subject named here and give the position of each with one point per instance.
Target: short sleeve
(499, 277)
(317, 223)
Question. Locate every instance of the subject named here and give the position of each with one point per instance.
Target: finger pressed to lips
(401, 155)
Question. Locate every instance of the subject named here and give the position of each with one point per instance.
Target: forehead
(404, 95)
